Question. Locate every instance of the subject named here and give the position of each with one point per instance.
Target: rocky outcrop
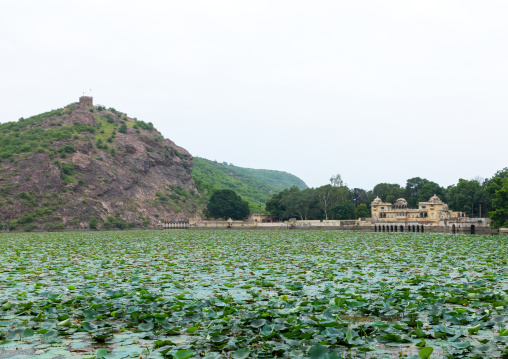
(110, 166)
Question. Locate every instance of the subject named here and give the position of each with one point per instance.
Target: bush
(145, 126)
(68, 169)
(13, 224)
(60, 225)
(29, 227)
(29, 217)
(101, 145)
(67, 149)
(123, 128)
(93, 223)
(120, 224)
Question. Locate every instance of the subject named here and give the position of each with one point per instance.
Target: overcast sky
(378, 91)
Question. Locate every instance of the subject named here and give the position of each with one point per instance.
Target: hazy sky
(378, 91)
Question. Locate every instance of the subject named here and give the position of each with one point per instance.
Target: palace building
(432, 212)
(431, 216)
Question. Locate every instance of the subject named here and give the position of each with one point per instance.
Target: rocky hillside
(61, 168)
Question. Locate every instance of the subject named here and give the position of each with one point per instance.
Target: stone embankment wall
(346, 225)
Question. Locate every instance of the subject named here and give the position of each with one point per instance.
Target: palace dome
(401, 202)
(376, 200)
(435, 199)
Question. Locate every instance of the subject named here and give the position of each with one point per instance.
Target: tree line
(476, 197)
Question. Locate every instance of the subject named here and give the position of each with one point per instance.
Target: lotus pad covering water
(252, 294)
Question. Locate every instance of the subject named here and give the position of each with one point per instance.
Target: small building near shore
(260, 217)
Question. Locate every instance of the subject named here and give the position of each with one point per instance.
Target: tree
(466, 196)
(388, 192)
(428, 190)
(359, 196)
(93, 223)
(344, 210)
(225, 203)
(336, 180)
(302, 204)
(498, 190)
(362, 211)
(329, 196)
(413, 186)
(324, 199)
(275, 207)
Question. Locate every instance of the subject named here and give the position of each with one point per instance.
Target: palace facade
(432, 212)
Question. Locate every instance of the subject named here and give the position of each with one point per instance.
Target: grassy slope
(278, 180)
(255, 186)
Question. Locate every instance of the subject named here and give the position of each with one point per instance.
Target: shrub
(123, 128)
(101, 145)
(67, 149)
(120, 224)
(93, 223)
(68, 169)
(29, 217)
(145, 126)
(29, 227)
(60, 225)
(24, 195)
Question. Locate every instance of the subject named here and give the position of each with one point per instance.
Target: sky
(377, 91)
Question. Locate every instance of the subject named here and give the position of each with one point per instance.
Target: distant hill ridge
(254, 185)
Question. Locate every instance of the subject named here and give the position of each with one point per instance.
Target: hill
(254, 185)
(61, 168)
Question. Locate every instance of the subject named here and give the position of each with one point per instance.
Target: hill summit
(61, 168)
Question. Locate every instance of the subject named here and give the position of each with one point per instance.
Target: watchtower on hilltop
(86, 100)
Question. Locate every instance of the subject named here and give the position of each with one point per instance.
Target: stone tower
(86, 100)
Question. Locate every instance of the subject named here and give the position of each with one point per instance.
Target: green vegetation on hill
(254, 186)
(278, 180)
(33, 135)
